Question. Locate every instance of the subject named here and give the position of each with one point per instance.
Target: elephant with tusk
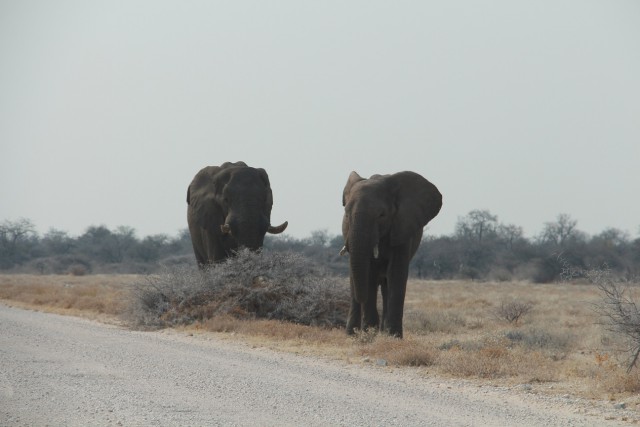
(382, 226)
(229, 207)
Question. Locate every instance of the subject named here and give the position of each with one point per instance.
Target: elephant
(229, 206)
(382, 227)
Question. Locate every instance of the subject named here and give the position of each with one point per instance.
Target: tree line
(480, 248)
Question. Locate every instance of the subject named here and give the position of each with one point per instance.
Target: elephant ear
(202, 193)
(264, 177)
(353, 178)
(417, 202)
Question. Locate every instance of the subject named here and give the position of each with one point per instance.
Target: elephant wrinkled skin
(382, 228)
(229, 206)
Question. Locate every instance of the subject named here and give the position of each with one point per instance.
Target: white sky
(526, 108)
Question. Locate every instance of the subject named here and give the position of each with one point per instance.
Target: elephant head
(382, 227)
(229, 206)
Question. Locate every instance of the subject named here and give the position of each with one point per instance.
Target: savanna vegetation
(481, 248)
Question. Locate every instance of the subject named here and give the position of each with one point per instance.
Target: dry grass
(95, 296)
(450, 330)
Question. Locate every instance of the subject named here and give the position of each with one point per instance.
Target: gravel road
(57, 370)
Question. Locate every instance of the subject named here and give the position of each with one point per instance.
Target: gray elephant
(382, 227)
(229, 206)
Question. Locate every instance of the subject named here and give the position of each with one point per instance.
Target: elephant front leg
(397, 276)
(364, 316)
(354, 320)
(371, 318)
(395, 309)
(214, 246)
(385, 302)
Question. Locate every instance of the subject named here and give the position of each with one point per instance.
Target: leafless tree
(477, 225)
(560, 231)
(619, 309)
(15, 236)
(512, 311)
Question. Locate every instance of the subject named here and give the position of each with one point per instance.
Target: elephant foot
(352, 327)
(394, 332)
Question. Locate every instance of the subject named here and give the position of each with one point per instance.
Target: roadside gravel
(57, 370)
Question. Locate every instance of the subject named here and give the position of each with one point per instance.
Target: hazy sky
(527, 109)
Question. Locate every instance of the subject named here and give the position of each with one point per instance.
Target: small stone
(620, 405)
(381, 362)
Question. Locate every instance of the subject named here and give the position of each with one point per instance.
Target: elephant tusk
(225, 229)
(279, 229)
(376, 252)
(343, 251)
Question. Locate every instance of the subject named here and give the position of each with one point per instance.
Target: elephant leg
(360, 314)
(385, 302)
(354, 320)
(397, 276)
(198, 245)
(214, 247)
(201, 259)
(371, 318)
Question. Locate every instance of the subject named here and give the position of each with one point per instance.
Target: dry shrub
(500, 274)
(620, 381)
(512, 311)
(262, 285)
(399, 352)
(541, 339)
(366, 336)
(611, 376)
(484, 358)
(265, 328)
(222, 323)
(77, 270)
(484, 363)
(425, 322)
(493, 357)
(619, 309)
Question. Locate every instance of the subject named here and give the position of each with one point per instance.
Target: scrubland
(554, 343)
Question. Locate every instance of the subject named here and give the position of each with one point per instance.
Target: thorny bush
(617, 307)
(269, 285)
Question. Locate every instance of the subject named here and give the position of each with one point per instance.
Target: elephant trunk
(362, 246)
(359, 278)
(246, 232)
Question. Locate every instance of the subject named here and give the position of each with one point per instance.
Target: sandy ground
(57, 370)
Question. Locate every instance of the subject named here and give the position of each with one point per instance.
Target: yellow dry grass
(96, 296)
(451, 329)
